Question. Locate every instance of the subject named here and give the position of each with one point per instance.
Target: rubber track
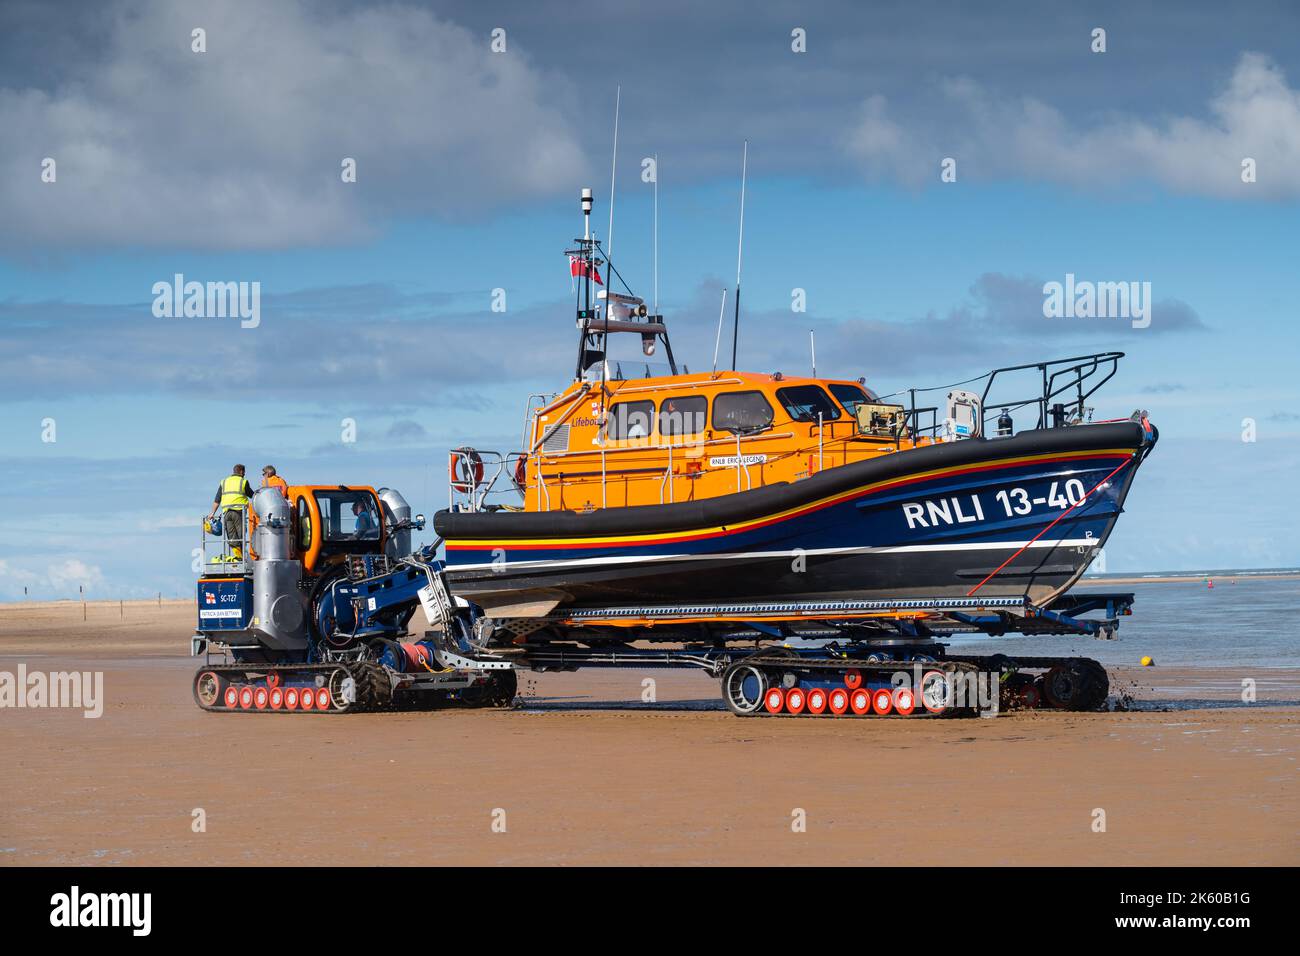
(373, 689)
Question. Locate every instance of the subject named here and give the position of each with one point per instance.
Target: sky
(473, 127)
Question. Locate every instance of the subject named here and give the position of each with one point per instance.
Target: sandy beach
(585, 773)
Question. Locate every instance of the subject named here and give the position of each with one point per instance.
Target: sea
(1247, 619)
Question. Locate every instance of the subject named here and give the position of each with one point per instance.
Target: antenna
(722, 310)
(740, 249)
(609, 238)
(656, 235)
(812, 341)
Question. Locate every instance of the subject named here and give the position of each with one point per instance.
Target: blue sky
(223, 166)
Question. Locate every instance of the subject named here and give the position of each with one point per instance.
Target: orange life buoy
(521, 472)
(465, 469)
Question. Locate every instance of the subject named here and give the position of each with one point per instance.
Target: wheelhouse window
(741, 412)
(851, 396)
(684, 415)
(348, 515)
(631, 420)
(806, 403)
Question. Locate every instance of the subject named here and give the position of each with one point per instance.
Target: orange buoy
(277, 698)
(860, 701)
(774, 700)
(291, 698)
(261, 696)
(882, 701)
(838, 700)
(904, 701)
(817, 701)
(853, 678)
(323, 698)
(795, 698)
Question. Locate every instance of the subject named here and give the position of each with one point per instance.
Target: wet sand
(588, 774)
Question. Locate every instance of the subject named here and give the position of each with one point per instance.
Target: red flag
(578, 267)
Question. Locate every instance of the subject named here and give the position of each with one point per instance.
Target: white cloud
(73, 572)
(168, 521)
(16, 575)
(242, 146)
(1256, 115)
(56, 579)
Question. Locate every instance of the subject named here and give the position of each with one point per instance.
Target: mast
(740, 249)
(584, 252)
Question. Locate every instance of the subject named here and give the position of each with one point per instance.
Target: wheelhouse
(686, 437)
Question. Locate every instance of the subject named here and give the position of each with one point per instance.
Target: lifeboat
(641, 488)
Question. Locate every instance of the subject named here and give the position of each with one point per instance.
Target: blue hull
(1022, 516)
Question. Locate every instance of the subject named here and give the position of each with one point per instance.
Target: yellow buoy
(1147, 662)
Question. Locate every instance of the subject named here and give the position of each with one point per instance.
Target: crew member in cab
(367, 522)
(232, 498)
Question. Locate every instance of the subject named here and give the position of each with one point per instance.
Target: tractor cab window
(807, 403)
(304, 525)
(348, 515)
(743, 412)
(631, 420)
(851, 396)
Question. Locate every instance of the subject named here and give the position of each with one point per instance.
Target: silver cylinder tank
(395, 510)
(278, 602)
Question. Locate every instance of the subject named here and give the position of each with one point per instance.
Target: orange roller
(307, 699)
(232, 697)
(774, 700)
(860, 701)
(795, 699)
(261, 697)
(853, 679)
(882, 701)
(838, 700)
(246, 698)
(291, 698)
(277, 698)
(816, 701)
(904, 700)
(323, 698)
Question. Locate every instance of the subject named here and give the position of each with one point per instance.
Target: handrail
(586, 387)
(572, 453)
(1057, 377)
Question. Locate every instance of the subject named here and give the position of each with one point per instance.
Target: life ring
(464, 469)
(521, 472)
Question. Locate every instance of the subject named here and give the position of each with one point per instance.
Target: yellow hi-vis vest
(232, 492)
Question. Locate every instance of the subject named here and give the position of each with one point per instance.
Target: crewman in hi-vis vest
(232, 497)
(271, 480)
